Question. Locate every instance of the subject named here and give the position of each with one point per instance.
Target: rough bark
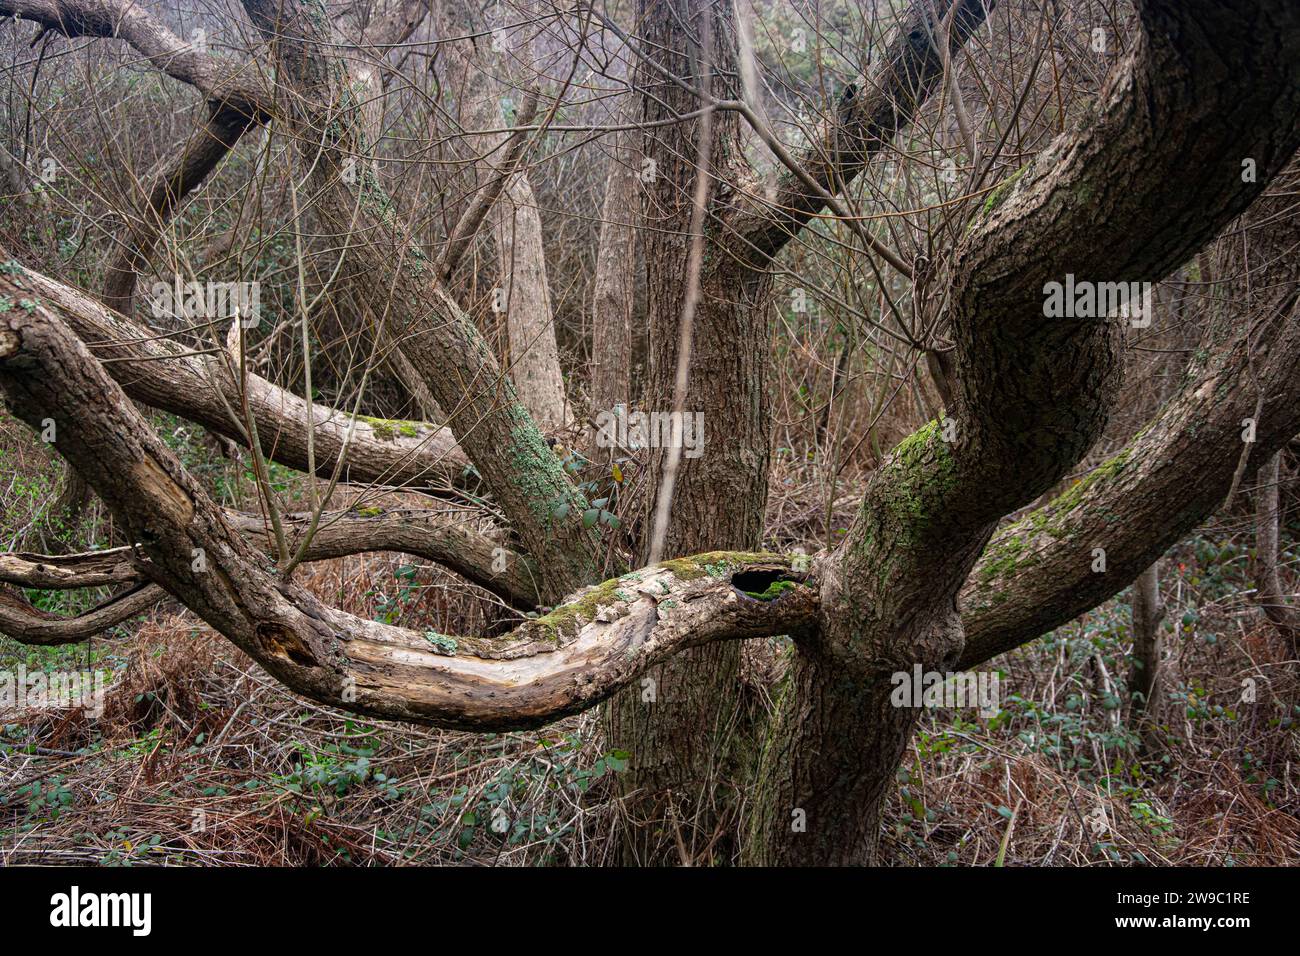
(681, 743)
(184, 381)
(546, 668)
(1036, 573)
(612, 300)
(1031, 394)
(699, 729)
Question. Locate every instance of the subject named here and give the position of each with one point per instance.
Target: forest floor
(199, 758)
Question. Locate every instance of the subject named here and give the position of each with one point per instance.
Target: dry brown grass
(1212, 780)
(200, 758)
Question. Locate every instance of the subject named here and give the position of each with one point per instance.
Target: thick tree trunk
(720, 498)
(826, 770)
(1030, 398)
(687, 745)
(611, 307)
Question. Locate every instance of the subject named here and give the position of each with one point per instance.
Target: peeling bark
(167, 375)
(546, 668)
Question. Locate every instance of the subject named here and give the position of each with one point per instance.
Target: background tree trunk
(523, 293)
(1148, 613)
(688, 748)
(612, 301)
(526, 299)
(1270, 595)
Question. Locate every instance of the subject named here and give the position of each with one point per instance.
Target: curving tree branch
(496, 431)
(125, 20)
(1173, 124)
(195, 385)
(30, 625)
(546, 668)
(1036, 573)
(174, 180)
(870, 113)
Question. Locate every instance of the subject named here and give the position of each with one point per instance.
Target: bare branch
(166, 375)
(29, 625)
(129, 21)
(869, 115)
(1036, 573)
(546, 668)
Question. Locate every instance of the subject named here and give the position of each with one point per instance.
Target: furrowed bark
(1173, 123)
(684, 762)
(1036, 573)
(720, 497)
(89, 569)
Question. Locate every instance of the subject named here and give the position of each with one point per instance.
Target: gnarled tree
(1146, 177)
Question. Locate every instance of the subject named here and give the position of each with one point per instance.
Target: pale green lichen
(444, 643)
(388, 429)
(1002, 190)
(922, 473)
(996, 196)
(717, 564)
(568, 619)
